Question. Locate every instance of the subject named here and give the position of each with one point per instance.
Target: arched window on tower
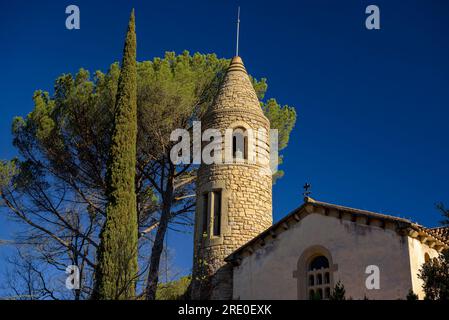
(239, 144)
(319, 280)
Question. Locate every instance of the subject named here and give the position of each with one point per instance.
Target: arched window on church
(239, 144)
(319, 281)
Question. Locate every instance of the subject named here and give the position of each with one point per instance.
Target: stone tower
(234, 199)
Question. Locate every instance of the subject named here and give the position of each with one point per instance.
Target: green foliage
(72, 129)
(8, 170)
(64, 145)
(338, 293)
(411, 296)
(282, 118)
(435, 275)
(435, 272)
(316, 296)
(117, 268)
(174, 290)
(173, 92)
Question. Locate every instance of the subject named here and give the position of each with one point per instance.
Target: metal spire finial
(238, 31)
(307, 187)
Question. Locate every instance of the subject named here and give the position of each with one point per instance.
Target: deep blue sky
(373, 106)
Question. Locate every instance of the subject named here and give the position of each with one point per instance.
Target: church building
(240, 254)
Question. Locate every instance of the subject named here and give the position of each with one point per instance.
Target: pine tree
(117, 256)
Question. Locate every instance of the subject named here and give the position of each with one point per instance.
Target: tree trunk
(158, 246)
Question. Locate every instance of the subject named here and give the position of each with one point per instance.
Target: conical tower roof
(236, 92)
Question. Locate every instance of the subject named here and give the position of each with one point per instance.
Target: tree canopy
(57, 186)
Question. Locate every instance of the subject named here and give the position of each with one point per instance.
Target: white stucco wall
(417, 258)
(268, 272)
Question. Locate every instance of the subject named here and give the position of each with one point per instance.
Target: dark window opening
(239, 144)
(311, 294)
(217, 213)
(205, 212)
(311, 280)
(318, 263)
(319, 279)
(327, 293)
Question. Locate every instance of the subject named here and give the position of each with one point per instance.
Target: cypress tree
(117, 267)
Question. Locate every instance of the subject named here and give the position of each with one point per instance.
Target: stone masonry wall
(247, 187)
